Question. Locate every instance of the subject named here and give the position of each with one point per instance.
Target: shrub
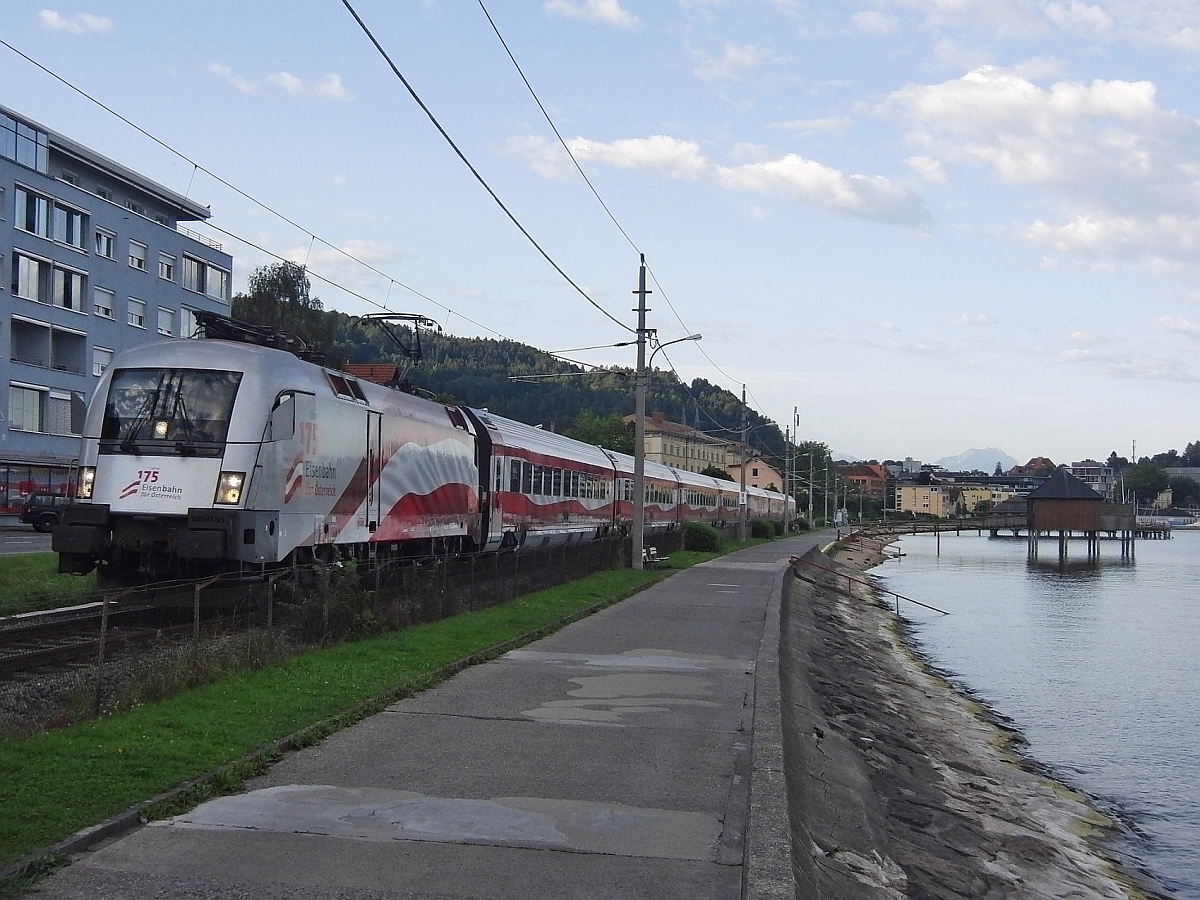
(800, 525)
(778, 527)
(698, 536)
(761, 528)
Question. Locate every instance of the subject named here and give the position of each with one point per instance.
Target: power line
(453, 146)
(554, 128)
(591, 186)
(392, 282)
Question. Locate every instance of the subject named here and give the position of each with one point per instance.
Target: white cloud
(1123, 173)
(1004, 18)
(733, 61)
(928, 168)
(871, 197)
(1177, 325)
(76, 24)
(288, 82)
(811, 127)
(872, 22)
(610, 12)
(330, 87)
(968, 319)
(950, 54)
(244, 85)
(1080, 18)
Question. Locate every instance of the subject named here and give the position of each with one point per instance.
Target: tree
(1116, 463)
(1191, 454)
(1147, 480)
(1185, 492)
(279, 296)
(611, 432)
(999, 469)
(715, 472)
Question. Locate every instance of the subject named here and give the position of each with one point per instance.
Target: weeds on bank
(60, 781)
(30, 581)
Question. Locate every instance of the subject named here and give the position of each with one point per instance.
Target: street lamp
(639, 428)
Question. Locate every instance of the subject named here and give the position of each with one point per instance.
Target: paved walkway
(607, 760)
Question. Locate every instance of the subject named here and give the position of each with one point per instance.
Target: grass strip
(30, 581)
(59, 782)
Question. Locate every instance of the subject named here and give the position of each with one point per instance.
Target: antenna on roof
(391, 323)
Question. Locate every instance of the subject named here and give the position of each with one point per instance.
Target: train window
(514, 475)
(338, 383)
(526, 478)
(538, 473)
(574, 484)
(283, 418)
(558, 482)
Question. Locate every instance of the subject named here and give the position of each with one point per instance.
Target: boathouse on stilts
(1064, 505)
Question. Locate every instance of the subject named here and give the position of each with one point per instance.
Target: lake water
(1097, 665)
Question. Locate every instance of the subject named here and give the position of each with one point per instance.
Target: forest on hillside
(479, 372)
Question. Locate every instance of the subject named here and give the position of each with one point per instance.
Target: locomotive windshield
(182, 412)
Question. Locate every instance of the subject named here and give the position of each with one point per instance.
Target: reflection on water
(1096, 662)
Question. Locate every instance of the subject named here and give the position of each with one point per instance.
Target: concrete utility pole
(639, 427)
(787, 473)
(795, 457)
(812, 474)
(742, 501)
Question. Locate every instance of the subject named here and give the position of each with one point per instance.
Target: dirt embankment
(897, 786)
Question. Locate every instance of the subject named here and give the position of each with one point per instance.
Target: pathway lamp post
(639, 436)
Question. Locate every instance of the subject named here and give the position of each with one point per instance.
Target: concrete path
(608, 760)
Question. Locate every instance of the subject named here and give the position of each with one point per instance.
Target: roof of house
(378, 373)
(1062, 485)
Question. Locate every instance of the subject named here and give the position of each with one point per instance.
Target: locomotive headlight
(229, 488)
(160, 429)
(87, 482)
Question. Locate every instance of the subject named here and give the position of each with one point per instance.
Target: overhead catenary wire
(197, 167)
(475, 172)
(579, 168)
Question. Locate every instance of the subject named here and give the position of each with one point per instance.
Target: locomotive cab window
(283, 418)
(168, 412)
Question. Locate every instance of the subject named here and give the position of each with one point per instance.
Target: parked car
(42, 510)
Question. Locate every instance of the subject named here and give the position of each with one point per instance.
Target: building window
(70, 178)
(134, 207)
(69, 289)
(101, 357)
(64, 413)
(216, 283)
(24, 144)
(24, 408)
(166, 267)
(137, 255)
(188, 326)
(104, 193)
(754, 471)
(106, 244)
(137, 313)
(68, 226)
(33, 213)
(166, 322)
(102, 303)
(202, 278)
(27, 278)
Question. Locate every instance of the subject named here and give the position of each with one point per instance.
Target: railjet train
(214, 455)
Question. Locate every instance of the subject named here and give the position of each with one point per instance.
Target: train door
(374, 464)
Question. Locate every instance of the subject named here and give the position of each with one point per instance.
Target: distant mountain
(984, 460)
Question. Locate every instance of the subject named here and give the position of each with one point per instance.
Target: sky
(929, 225)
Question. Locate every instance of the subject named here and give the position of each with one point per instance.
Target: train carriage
(545, 487)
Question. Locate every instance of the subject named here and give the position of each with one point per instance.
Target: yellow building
(938, 500)
(759, 472)
(680, 446)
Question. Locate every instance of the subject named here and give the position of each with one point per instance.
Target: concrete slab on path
(610, 759)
